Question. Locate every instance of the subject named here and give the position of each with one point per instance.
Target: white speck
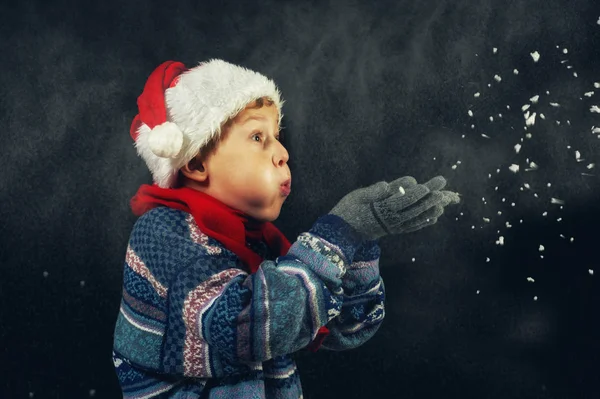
(541, 248)
(595, 109)
(31, 394)
(485, 135)
(565, 51)
(531, 280)
(535, 298)
(555, 104)
(559, 219)
(516, 71)
(531, 120)
(590, 166)
(545, 214)
(508, 225)
(487, 260)
(528, 135)
(508, 107)
(549, 185)
(577, 155)
(572, 239)
(557, 201)
(495, 50)
(533, 165)
(476, 94)
(535, 55)
(569, 67)
(499, 115)
(486, 220)
(525, 107)
(491, 118)
(497, 78)
(512, 204)
(470, 113)
(402, 191)
(500, 241)
(536, 196)
(413, 259)
(92, 392)
(597, 85)
(499, 213)
(527, 186)
(514, 168)
(589, 94)
(558, 123)
(517, 148)
(82, 283)
(542, 116)
(575, 74)
(46, 273)
(454, 167)
(478, 292)
(591, 271)
(534, 99)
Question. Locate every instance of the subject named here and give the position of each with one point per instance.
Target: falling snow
(534, 129)
(536, 56)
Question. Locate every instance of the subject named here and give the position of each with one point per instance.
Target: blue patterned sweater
(193, 323)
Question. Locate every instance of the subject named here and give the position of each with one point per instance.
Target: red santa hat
(181, 110)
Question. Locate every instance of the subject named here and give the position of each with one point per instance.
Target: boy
(215, 298)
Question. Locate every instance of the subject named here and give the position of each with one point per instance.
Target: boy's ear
(194, 170)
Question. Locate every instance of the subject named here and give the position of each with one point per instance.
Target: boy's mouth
(286, 187)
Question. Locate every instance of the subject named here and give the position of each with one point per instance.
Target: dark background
(374, 91)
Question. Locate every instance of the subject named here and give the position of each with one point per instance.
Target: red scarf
(227, 225)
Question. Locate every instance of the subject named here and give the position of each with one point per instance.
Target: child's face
(249, 165)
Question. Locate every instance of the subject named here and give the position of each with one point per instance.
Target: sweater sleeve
(222, 317)
(363, 307)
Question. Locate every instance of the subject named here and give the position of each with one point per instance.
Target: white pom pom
(166, 140)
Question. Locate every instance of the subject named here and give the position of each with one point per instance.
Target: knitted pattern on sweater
(194, 323)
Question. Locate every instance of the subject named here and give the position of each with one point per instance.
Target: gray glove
(402, 206)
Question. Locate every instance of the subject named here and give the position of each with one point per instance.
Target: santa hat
(181, 110)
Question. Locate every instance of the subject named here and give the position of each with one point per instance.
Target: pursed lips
(286, 187)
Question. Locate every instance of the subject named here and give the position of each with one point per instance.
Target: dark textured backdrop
(374, 91)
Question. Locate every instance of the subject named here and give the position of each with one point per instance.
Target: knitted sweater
(193, 323)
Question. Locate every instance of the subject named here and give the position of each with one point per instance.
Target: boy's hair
(211, 146)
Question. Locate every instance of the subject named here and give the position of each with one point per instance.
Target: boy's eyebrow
(257, 118)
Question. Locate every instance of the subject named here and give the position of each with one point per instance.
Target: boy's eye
(260, 134)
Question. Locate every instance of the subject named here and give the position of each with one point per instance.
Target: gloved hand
(402, 206)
